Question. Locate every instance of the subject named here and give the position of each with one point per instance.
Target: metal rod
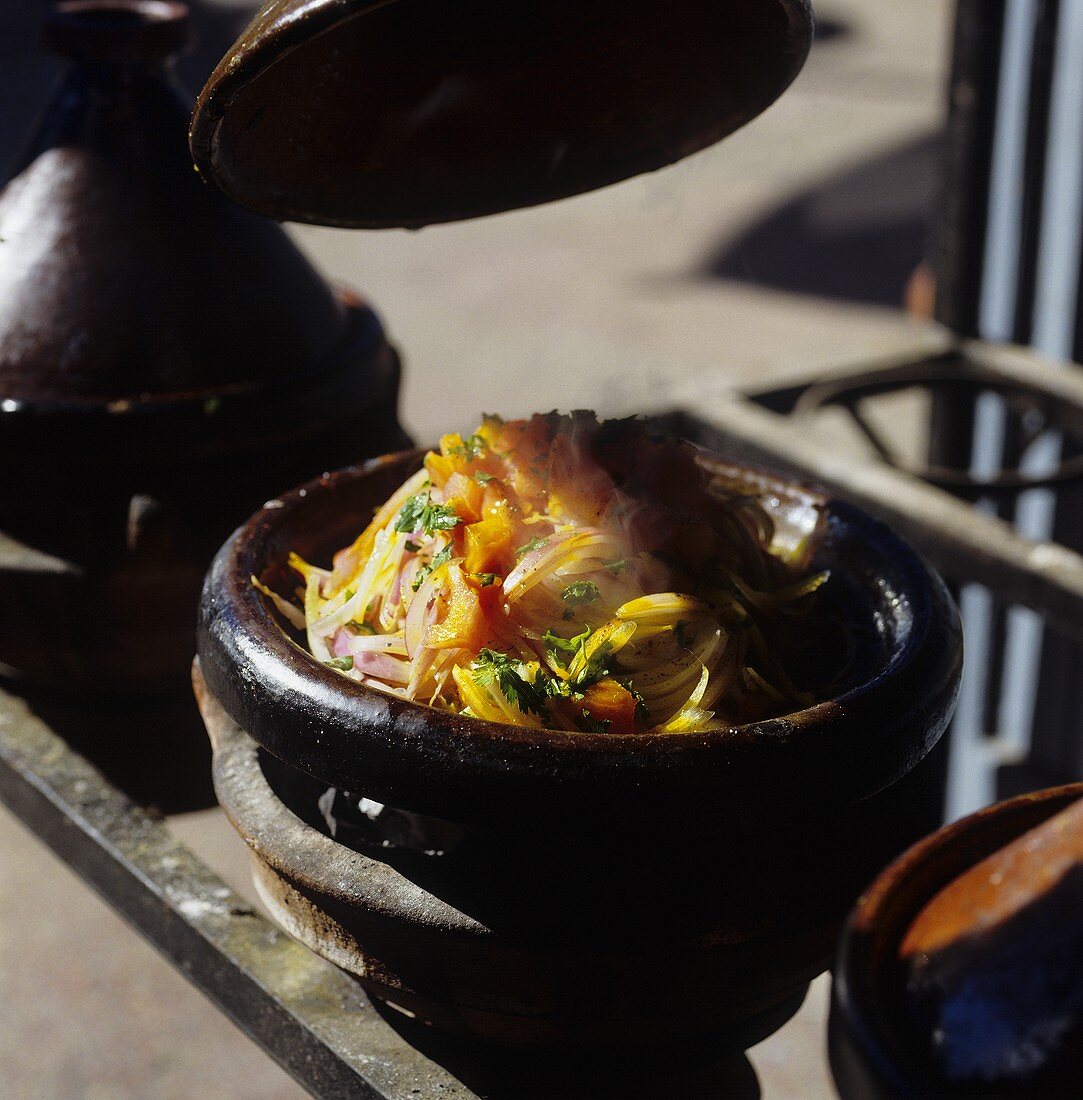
(961, 541)
(870, 433)
(1062, 381)
(312, 1018)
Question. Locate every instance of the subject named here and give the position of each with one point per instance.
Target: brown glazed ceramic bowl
(607, 890)
(671, 944)
(900, 690)
(877, 1046)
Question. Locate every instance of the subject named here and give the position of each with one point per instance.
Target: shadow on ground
(626, 1074)
(856, 236)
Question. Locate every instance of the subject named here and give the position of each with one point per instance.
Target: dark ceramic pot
(876, 1048)
(673, 943)
(900, 691)
(167, 361)
(712, 869)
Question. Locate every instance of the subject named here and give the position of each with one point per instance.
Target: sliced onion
(661, 609)
(290, 612)
(381, 666)
(533, 559)
(347, 644)
(423, 612)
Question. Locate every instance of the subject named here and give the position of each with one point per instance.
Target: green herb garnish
(589, 724)
(529, 547)
(419, 513)
(581, 592)
(642, 714)
(484, 579)
(471, 447)
(412, 546)
(596, 667)
(482, 478)
(616, 566)
(355, 626)
(442, 557)
(556, 645)
(343, 664)
(493, 669)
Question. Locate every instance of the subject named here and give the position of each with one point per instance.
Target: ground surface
(768, 257)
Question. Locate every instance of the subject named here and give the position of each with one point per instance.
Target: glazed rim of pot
(838, 751)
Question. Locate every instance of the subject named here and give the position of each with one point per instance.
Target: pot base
(544, 945)
(731, 1031)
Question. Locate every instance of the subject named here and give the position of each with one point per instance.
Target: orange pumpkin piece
(489, 544)
(466, 624)
(465, 495)
(611, 702)
(441, 467)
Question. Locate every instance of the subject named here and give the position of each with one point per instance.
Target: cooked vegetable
(563, 573)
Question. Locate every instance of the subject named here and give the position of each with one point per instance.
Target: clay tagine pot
(597, 889)
(960, 971)
(167, 361)
(371, 113)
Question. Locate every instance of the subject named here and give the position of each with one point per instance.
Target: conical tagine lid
(122, 274)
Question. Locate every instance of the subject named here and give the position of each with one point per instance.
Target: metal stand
(312, 1018)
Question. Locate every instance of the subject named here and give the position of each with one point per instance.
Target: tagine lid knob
(122, 274)
(117, 30)
(401, 113)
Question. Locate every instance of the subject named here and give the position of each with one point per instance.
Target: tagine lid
(122, 274)
(402, 113)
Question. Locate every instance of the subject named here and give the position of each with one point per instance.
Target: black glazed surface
(577, 941)
(376, 114)
(831, 755)
(875, 1049)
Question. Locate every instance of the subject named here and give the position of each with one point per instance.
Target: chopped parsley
(470, 447)
(493, 669)
(412, 546)
(581, 592)
(530, 547)
(482, 478)
(343, 664)
(616, 566)
(484, 579)
(556, 688)
(642, 714)
(420, 514)
(596, 667)
(355, 626)
(557, 646)
(422, 575)
(589, 724)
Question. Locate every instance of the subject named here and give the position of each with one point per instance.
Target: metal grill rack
(960, 521)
